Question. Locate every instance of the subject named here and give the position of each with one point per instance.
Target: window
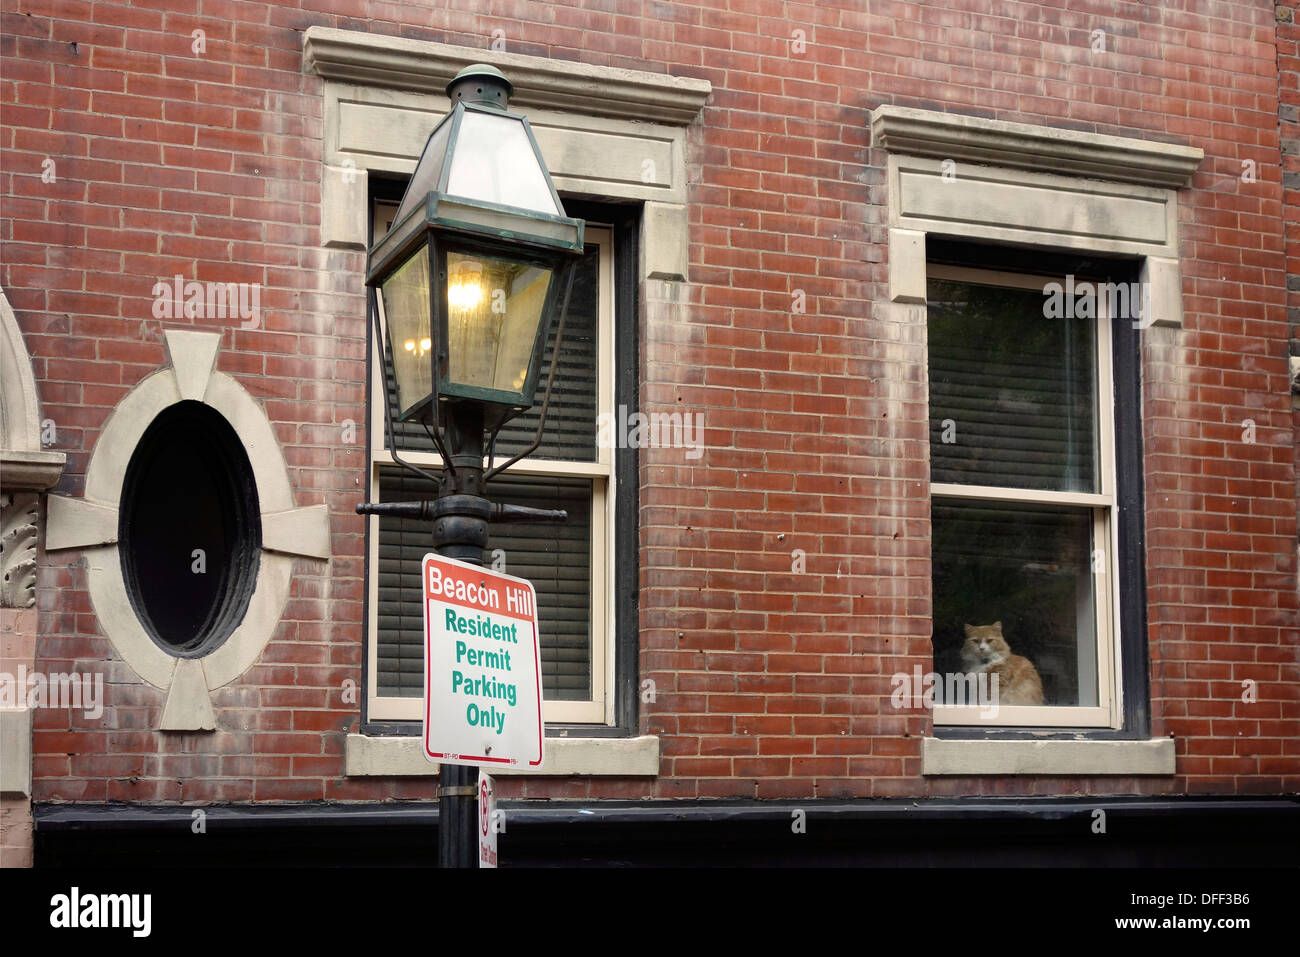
(189, 529)
(1046, 200)
(571, 565)
(1024, 502)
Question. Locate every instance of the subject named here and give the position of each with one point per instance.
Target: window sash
(599, 709)
(1102, 504)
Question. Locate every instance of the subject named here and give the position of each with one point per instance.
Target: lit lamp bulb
(465, 285)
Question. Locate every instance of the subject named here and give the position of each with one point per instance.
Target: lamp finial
(481, 84)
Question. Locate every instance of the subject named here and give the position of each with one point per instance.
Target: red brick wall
(768, 684)
(1288, 111)
(1288, 66)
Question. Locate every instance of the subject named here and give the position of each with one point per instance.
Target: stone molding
(1002, 204)
(605, 133)
(1121, 159)
(364, 59)
(15, 752)
(19, 530)
(1024, 185)
(24, 464)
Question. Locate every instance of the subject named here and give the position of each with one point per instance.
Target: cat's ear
(998, 626)
(969, 629)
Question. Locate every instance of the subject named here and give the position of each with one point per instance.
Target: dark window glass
(1027, 567)
(556, 558)
(1012, 392)
(189, 529)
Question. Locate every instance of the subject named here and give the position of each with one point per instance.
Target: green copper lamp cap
(481, 83)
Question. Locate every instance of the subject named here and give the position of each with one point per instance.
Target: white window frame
(599, 708)
(1103, 503)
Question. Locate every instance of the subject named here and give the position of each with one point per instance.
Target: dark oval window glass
(189, 529)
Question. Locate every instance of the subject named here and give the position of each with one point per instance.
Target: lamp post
(472, 275)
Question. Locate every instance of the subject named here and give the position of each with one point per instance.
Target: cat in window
(985, 651)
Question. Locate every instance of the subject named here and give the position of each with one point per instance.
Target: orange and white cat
(985, 651)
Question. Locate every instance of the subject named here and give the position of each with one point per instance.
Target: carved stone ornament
(19, 517)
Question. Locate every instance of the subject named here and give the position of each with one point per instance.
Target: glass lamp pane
(427, 172)
(570, 432)
(571, 421)
(406, 314)
(494, 162)
(493, 310)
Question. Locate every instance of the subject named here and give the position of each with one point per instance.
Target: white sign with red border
(482, 666)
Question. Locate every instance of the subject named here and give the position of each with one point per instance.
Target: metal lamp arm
(470, 505)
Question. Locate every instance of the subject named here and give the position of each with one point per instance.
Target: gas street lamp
(475, 270)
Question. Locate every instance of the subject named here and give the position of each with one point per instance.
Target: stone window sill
(367, 756)
(940, 756)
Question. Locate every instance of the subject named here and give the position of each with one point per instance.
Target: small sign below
(482, 666)
(487, 821)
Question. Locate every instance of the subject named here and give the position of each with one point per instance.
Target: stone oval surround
(90, 523)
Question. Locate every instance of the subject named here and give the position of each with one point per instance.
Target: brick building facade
(776, 191)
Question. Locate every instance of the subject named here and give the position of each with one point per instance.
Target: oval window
(189, 529)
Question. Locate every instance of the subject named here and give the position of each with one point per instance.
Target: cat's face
(985, 643)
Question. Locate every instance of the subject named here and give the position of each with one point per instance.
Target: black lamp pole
(460, 531)
(460, 517)
(460, 513)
